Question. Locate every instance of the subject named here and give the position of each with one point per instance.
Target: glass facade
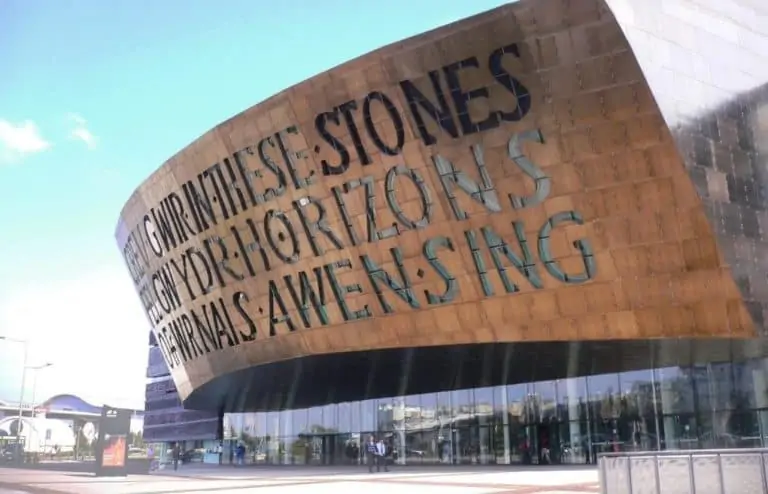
(558, 421)
(165, 419)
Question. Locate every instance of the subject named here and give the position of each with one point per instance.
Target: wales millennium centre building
(536, 230)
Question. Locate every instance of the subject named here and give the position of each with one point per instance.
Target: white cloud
(80, 131)
(19, 140)
(92, 329)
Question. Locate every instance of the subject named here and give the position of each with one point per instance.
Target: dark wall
(351, 376)
(164, 418)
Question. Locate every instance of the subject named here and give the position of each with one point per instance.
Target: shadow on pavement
(84, 468)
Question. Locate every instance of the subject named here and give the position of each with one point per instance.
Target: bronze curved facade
(545, 182)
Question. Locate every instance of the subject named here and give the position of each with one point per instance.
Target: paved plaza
(287, 480)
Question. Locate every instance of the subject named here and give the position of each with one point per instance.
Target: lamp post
(36, 368)
(33, 440)
(23, 383)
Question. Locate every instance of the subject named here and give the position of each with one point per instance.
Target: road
(289, 480)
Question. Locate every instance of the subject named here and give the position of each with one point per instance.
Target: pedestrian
(153, 464)
(381, 450)
(241, 454)
(176, 452)
(371, 452)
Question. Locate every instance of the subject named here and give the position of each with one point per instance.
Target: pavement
(311, 480)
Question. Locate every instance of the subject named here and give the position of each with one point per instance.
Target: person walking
(381, 450)
(176, 452)
(153, 464)
(371, 452)
(241, 454)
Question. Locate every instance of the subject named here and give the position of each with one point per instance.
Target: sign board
(112, 443)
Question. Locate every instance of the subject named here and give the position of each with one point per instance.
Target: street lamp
(23, 383)
(36, 368)
(33, 440)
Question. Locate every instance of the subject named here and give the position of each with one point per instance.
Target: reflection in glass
(345, 422)
(544, 401)
(444, 410)
(292, 423)
(464, 442)
(463, 406)
(329, 418)
(680, 432)
(603, 396)
(260, 422)
(356, 422)
(427, 450)
(385, 415)
(298, 421)
(517, 403)
(410, 422)
(604, 411)
(486, 453)
(561, 421)
(573, 409)
(314, 420)
(368, 419)
(272, 438)
(444, 438)
(638, 425)
(484, 406)
(676, 390)
(755, 385)
(500, 432)
(724, 395)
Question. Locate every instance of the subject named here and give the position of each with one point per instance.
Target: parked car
(6, 456)
(192, 456)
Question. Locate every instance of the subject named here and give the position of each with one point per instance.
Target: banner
(114, 450)
(112, 444)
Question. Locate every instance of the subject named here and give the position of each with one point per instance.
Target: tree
(135, 439)
(83, 447)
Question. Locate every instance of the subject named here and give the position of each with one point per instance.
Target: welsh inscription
(238, 196)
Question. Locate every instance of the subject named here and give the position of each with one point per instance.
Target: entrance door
(485, 450)
(314, 451)
(344, 450)
(529, 445)
(548, 443)
(472, 445)
(324, 449)
(331, 451)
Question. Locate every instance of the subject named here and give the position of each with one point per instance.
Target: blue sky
(95, 95)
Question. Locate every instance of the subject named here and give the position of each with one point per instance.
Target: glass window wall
(558, 421)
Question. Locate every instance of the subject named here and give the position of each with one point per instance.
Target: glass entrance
(548, 444)
(350, 443)
(529, 445)
(485, 454)
(325, 449)
(541, 444)
(472, 445)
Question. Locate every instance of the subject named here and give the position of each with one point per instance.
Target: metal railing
(703, 471)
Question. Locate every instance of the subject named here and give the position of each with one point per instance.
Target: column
(671, 439)
(574, 424)
(400, 425)
(505, 421)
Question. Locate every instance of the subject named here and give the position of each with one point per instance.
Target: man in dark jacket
(371, 453)
(176, 452)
